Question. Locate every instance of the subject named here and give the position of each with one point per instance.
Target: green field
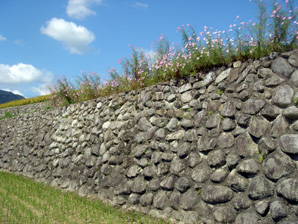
(25, 201)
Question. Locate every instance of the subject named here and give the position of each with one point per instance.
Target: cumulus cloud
(75, 38)
(22, 73)
(2, 38)
(14, 91)
(41, 89)
(80, 9)
(141, 5)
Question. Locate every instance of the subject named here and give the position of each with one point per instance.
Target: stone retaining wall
(30, 108)
(220, 147)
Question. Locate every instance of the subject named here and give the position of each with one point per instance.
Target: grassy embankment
(25, 201)
(27, 101)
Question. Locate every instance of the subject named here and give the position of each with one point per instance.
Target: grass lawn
(25, 201)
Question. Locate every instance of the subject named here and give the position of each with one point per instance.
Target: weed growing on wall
(296, 102)
(88, 84)
(7, 115)
(275, 30)
(64, 92)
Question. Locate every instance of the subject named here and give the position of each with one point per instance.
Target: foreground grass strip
(25, 201)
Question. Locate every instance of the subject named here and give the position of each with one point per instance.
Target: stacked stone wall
(30, 108)
(220, 147)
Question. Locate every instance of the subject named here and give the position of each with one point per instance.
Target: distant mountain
(6, 96)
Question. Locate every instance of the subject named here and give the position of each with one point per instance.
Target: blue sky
(43, 38)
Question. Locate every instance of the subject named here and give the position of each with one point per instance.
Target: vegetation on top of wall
(275, 31)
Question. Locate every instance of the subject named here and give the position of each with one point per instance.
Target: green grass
(25, 201)
(296, 102)
(7, 115)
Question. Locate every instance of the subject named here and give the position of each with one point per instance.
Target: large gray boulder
(253, 106)
(216, 194)
(225, 214)
(258, 126)
(278, 165)
(160, 200)
(289, 143)
(248, 218)
(278, 210)
(259, 188)
(189, 200)
(229, 109)
(293, 59)
(294, 78)
(144, 124)
(281, 66)
(282, 96)
(288, 189)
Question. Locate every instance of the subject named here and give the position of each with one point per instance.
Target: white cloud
(22, 73)
(41, 89)
(75, 38)
(141, 5)
(19, 42)
(80, 9)
(2, 38)
(14, 91)
(149, 54)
